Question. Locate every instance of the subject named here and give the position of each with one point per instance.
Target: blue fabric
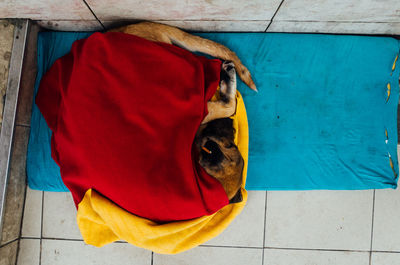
(319, 120)
(43, 173)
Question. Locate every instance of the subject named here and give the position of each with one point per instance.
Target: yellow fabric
(102, 222)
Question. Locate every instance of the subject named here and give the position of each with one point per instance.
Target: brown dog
(216, 149)
(218, 154)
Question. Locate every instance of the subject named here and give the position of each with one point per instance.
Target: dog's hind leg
(168, 34)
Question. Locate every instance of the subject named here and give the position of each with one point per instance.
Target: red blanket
(124, 112)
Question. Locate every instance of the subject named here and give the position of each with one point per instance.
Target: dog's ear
(237, 198)
(220, 128)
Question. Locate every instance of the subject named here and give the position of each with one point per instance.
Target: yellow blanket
(102, 222)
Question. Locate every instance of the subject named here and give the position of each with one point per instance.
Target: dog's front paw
(229, 67)
(228, 82)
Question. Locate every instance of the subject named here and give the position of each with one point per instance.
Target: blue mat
(321, 119)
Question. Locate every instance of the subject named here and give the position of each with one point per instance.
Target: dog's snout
(212, 146)
(211, 153)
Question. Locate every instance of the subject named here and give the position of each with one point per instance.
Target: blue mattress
(322, 118)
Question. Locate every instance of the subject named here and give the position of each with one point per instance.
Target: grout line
(22, 222)
(165, 20)
(18, 246)
(265, 224)
(272, 19)
(41, 231)
(70, 239)
(334, 21)
(319, 249)
(281, 248)
(230, 20)
(23, 211)
(385, 251)
(214, 246)
(237, 247)
(216, 20)
(22, 125)
(30, 237)
(98, 20)
(9, 242)
(372, 228)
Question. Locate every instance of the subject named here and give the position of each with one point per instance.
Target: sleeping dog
(214, 141)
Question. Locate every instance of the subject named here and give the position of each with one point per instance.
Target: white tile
(62, 252)
(71, 25)
(207, 26)
(184, 10)
(340, 10)
(45, 9)
(29, 252)
(212, 255)
(385, 258)
(247, 230)
(311, 257)
(386, 235)
(390, 28)
(339, 220)
(59, 216)
(32, 220)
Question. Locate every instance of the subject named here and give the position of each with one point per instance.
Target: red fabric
(124, 112)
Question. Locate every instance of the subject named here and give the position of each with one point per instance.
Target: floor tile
(16, 186)
(386, 234)
(45, 9)
(184, 10)
(390, 28)
(8, 253)
(379, 258)
(340, 10)
(339, 220)
(29, 252)
(32, 220)
(311, 257)
(212, 255)
(62, 252)
(59, 216)
(247, 229)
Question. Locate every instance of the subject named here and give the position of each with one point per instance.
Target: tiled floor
(339, 16)
(276, 228)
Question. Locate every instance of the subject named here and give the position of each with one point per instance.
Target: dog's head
(219, 155)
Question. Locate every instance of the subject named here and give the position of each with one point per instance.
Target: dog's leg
(226, 105)
(164, 33)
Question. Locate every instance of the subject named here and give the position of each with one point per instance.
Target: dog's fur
(225, 162)
(216, 133)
